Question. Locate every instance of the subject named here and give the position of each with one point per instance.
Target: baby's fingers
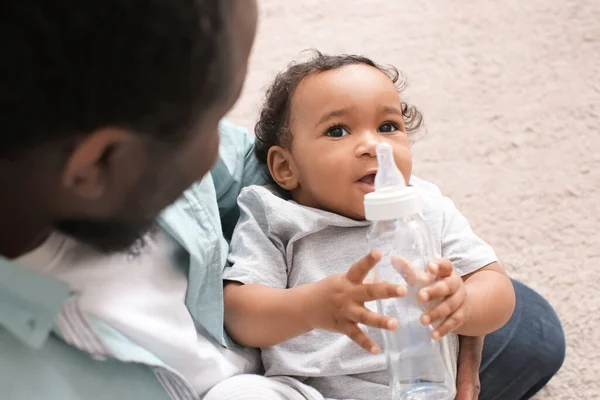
(444, 309)
(450, 324)
(440, 289)
(441, 268)
(411, 275)
(360, 269)
(367, 317)
(360, 338)
(377, 291)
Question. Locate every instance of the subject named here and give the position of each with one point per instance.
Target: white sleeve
(467, 251)
(256, 256)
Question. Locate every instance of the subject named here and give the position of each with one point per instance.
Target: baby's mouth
(368, 179)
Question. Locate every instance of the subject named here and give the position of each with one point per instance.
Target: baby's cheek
(404, 163)
(358, 207)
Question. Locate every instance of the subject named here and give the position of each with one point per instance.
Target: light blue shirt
(36, 363)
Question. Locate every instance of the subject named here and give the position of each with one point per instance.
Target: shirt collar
(29, 302)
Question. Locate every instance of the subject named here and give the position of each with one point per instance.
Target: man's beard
(109, 236)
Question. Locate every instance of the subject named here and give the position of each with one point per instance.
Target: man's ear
(87, 171)
(282, 168)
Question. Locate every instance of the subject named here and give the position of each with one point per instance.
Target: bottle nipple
(388, 175)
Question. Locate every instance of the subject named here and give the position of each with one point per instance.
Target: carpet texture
(511, 96)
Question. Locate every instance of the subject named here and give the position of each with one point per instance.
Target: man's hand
(469, 361)
(337, 303)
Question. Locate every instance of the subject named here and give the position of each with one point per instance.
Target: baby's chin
(353, 209)
(357, 214)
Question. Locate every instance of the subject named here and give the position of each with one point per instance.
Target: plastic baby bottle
(419, 367)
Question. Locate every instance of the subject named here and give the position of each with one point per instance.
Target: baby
(297, 270)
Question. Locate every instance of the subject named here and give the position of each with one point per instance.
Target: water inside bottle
(414, 359)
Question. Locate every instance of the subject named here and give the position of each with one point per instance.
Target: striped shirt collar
(29, 302)
(32, 305)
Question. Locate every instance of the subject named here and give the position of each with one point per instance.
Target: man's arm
(469, 361)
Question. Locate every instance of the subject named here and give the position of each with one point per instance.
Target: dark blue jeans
(519, 359)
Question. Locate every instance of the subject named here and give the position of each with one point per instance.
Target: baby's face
(337, 119)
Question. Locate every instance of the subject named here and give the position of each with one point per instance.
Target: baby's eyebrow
(391, 110)
(348, 110)
(333, 114)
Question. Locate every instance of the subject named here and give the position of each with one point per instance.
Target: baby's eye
(336, 132)
(388, 128)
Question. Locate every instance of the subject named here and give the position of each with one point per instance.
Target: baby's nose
(369, 142)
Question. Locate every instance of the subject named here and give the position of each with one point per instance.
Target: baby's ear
(282, 168)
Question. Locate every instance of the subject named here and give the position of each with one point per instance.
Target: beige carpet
(511, 94)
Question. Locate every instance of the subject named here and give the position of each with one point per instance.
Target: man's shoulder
(237, 164)
(59, 371)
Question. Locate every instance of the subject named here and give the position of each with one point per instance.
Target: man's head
(110, 107)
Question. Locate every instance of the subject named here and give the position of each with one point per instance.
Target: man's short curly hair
(72, 67)
(272, 128)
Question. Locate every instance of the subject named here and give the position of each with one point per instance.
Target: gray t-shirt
(282, 244)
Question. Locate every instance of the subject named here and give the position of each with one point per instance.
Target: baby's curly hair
(272, 128)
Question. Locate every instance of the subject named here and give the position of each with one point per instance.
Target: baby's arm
(490, 300)
(473, 305)
(261, 316)
(479, 302)
(260, 310)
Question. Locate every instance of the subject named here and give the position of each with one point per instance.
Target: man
(110, 110)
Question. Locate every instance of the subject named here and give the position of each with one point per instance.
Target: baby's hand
(337, 303)
(449, 288)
